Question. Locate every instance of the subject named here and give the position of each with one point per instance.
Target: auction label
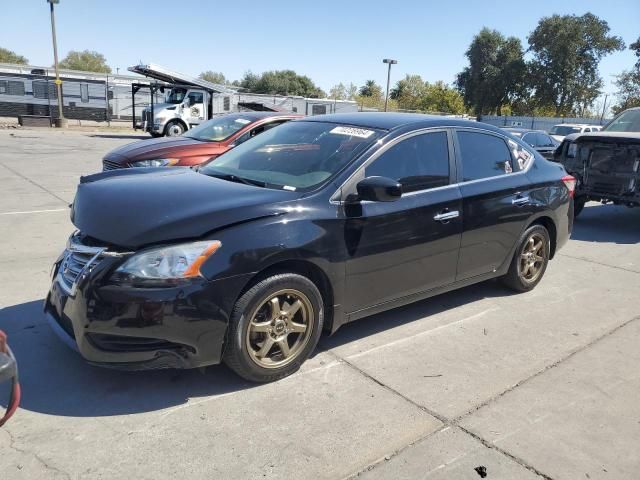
(352, 132)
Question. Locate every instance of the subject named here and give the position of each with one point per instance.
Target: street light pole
(390, 62)
(60, 122)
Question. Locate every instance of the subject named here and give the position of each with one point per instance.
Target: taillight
(570, 183)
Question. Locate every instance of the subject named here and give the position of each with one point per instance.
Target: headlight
(166, 265)
(572, 150)
(156, 162)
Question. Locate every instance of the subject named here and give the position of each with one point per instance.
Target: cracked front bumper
(142, 328)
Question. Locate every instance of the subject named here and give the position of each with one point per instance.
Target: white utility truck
(188, 101)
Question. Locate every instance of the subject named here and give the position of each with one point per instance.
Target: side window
(418, 163)
(530, 139)
(15, 88)
(3, 86)
(544, 140)
(84, 92)
(483, 155)
(264, 128)
(196, 97)
(242, 138)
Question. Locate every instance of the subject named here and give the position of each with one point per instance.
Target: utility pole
(604, 107)
(60, 122)
(390, 62)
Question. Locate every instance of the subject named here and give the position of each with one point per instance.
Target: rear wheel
(174, 129)
(274, 328)
(530, 260)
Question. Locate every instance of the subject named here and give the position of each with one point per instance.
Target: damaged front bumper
(133, 328)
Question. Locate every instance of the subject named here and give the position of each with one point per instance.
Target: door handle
(519, 200)
(444, 216)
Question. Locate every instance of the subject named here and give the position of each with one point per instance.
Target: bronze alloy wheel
(532, 258)
(280, 328)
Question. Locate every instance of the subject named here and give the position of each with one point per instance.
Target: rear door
(495, 200)
(409, 245)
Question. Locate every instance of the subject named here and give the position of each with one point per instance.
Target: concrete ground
(538, 385)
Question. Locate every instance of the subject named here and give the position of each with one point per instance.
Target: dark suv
(297, 231)
(606, 164)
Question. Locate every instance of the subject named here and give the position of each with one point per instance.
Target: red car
(9, 372)
(208, 140)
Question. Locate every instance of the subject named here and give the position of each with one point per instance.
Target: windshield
(219, 128)
(176, 95)
(296, 156)
(564, 130)
(628, 121)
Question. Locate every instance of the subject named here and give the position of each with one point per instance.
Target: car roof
(393, 121)
(575, 125)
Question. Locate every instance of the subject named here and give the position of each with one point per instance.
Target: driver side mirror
(379, 189)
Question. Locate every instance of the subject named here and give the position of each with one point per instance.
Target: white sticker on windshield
(243, 121)
(287, 187)
(352, 132)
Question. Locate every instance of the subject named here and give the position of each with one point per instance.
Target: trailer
(35, 94)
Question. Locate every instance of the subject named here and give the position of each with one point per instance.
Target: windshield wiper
(234, 178)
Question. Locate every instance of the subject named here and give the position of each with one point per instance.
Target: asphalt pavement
(474, 382)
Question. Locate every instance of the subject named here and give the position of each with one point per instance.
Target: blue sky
(330, 41)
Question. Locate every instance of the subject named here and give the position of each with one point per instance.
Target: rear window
(483, 156)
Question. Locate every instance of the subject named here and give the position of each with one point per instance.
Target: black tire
(578, 205)
(237, 355)
(174, 129)
(155, 135)
(516, 278)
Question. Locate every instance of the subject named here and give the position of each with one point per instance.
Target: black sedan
(544, 143)
(304, 228)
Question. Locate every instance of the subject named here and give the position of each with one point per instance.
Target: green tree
(371, 89)
(281, 82)
(628, 83)
(213, 77)
(440, 97)
(352, 91)
(338, 92)
(409, 92)
(249, 81)
(86, 61)
(567, 50)
(495, 73)
(7, 56)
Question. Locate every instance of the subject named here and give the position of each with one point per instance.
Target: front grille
(72, 267)
(109, 165)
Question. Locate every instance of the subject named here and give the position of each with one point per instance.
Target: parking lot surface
(538, 385)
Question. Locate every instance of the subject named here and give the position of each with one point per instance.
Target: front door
(410, 245)
(496, 200)
(195, 107)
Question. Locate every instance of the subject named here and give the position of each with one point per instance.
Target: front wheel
(274, 327)
(530, 260)
(174, 129)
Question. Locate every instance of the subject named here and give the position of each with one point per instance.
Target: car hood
(153, 148)
(136, 207)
